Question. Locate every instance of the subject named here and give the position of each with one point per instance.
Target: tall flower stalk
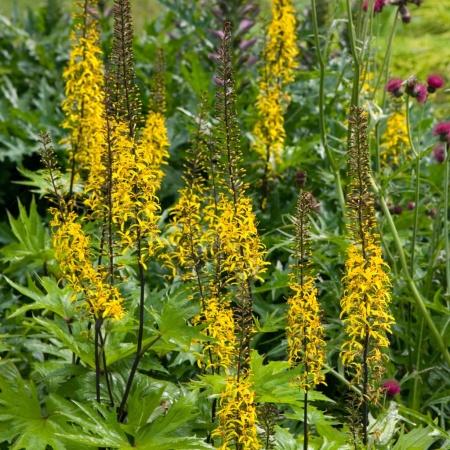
(84, 103)
(216, 245)
(366, 296)
(305, 333)
(280, 61)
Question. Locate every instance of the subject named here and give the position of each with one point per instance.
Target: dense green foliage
(48, 386)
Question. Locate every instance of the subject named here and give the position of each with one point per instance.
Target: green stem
(97, 349)
(323, 135)
(356, 58)
(121, 411)
(445, 218)
(415, 401)
(415, 294)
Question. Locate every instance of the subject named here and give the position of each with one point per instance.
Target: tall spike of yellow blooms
(237, 415)
(305, 332)
(366, 296)
(154, 134)
(239, 260)
(395, 142)
(280, 61)
(84, 103)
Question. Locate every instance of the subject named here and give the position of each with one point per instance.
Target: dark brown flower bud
(300, 178)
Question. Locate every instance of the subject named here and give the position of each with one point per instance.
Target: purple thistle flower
(394, 87)
(377, 6)
(434, 82)
(420, 93)
(439, 154)
(392, 387)
(411, 205)
(404, 13)
(443, 131)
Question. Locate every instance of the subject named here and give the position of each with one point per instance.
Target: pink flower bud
(392, 387)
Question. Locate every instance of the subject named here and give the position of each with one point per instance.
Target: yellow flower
(242, 253)
(237, 415)
(154, 140)
(72, 251)
(280, 61)
(84, 103)
(305, 333)
(395, 140)
(281, 51)
(365, 304)
(366, 297)
(217, 313)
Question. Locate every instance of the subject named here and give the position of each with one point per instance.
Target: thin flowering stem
(121, 413)
(418, 155)
(410, 282)
(97, 349)
(322, 122)
(355, 54)
(445, 218)
(417, 381)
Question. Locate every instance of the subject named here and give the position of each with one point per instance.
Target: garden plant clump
(229, 229)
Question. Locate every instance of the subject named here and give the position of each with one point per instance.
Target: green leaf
(417, 439)
(32, 248)
(21, 417)
(438, 430)
(172, 323)
(272, 382)
(57, 300)
(98, 426)
(284, 439)
(82, 349)
(162, 433)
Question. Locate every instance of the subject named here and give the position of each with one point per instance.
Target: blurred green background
(143, 10)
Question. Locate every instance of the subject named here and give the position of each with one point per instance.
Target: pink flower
(420, 93)
(394, 86)
(434, 82)
(443, 131)
(439, 154)
(377, 6)
(411, 205)
(392, 387)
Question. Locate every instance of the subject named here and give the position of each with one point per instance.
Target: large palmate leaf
(149, 426)
(24, 424)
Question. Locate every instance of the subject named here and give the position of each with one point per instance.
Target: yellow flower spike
(237, 415)
(84, 103)
(366, 297)
(280, 61)
(72, 251)
(395, 140)
(305, 333)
